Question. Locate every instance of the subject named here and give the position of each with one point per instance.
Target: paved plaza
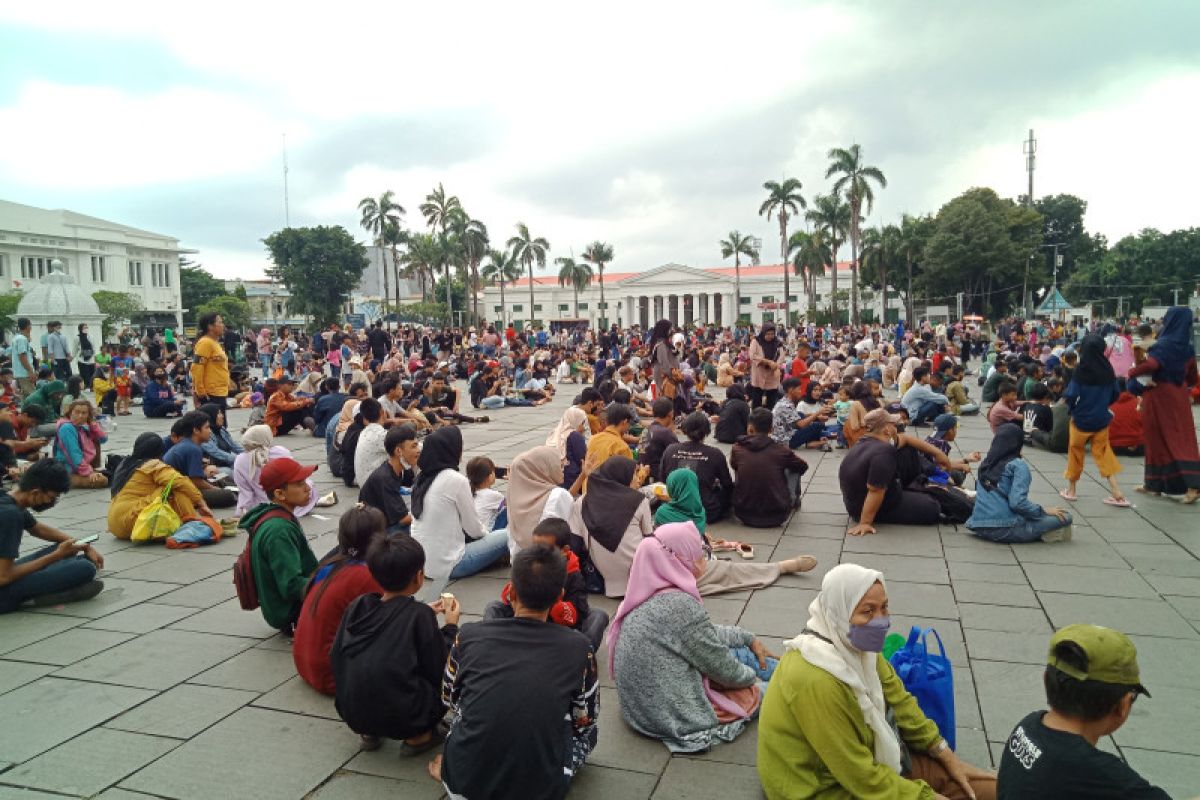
(163, 687)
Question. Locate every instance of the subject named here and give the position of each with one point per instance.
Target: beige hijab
(347, 416)
(573, 419)
(257, 441)
(532, 476)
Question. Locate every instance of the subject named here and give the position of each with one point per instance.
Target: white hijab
(257, 441)
(573, 419)
(829, 615)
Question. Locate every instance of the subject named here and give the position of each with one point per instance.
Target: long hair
(355, 531)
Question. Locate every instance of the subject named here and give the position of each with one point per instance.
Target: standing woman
(764, 368)
(87, 356)
(1172, 458)
(662, 354)
(1093, 388)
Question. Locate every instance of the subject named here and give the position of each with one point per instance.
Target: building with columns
(685, 295)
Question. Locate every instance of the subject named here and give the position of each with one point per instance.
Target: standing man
(22, 358)
(210, 367)
(59, 351)
(379, 341)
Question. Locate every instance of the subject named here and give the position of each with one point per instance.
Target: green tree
(809, 253)
(394, 236)
(234, 310)
(855, 182)
(423, 258)
(784, 200)
(881, 257)
(528, 251)
(577, 276)
(1144, 267)
(377, 217)
(197, 286)
(117, 308)
(439, 210)
(831, 218)
(737, 245)
(320, 267)
(8, 309)
(914, 235)
(422, 312)
(472, 237)
(600, 254)
(502, 268)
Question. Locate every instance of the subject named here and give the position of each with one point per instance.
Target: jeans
(593, 626)
(928, 410)
(747, 657)
(493, 402)
(264, 363)
(1027, 530)
(58, 577)
(802, 436)
(481, 554)
(62, 368)
(966, 409)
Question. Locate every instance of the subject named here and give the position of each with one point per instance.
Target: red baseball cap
(279, 472)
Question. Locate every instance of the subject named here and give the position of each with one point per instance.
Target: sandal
(746, 551)
(1119, 502)
(1144, 490)
(724, 546)
(409, 750)
(1065, 495)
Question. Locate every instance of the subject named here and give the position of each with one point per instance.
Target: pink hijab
(663, 563)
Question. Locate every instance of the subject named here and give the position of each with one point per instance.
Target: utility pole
(1120, 304)
(1030, 150)
(1175, 293)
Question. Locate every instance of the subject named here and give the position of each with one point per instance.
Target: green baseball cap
(1111, 656)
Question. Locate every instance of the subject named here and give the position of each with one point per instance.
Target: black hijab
(1005, 447)
(1094, 367)
(441, 450)
(770, 347)
(610, 503)
(146, 447)
(660, 333)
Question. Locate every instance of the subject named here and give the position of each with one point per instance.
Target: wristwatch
(939, 748)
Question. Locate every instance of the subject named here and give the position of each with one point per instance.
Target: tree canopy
(320, 267)
(233, 309)
(197, 286)
(117, 308)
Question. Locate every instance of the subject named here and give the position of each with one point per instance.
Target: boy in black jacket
(388, 656)
(572, 609)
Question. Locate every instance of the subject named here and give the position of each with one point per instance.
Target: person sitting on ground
(370, 452)
(795, 428)
(572, 610)
(734, 416)
(945, 431)
(837, 721)
(768, 473)
(958, 402)
(13, 444)
(187, 457)
(707, 462)
(1039, 419)
(1007, 408)
(389, 656)
(220, 449)
(870, 477)
(1003, 511)
(612, 518)
(280, 558)
(568, 439)
(48, 397)
(503, 670)
(258, 448)
(340, 578)
(77, 445)
(141, 478)
(535, 492)
(1091, 681)
(286, 411)
(490, 504)
(991, 387)
(159, 400)
(327, 406)
(439, 403)
(657, 437)
(382, 489)
(680, 678)
(75, 391)
(1125, 432)
(611, 441)
(61, 572)
(921, 401)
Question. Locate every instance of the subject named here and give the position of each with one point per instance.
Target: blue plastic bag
(929, 678)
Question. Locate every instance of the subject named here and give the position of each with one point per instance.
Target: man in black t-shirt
(1091, 681)
(658, 436)
(382, 489)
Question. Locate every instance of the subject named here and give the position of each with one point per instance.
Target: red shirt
(315, 633)
(1125, 430)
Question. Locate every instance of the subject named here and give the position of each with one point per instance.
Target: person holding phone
(795, 425)
(62, 572)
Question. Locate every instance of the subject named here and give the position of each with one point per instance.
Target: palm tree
(785, 200)
(881, 248)
(501, 268)
(473, 238)
(809, 253)
(393, 237)
(855, 182)
(438, 211)
(577, 276)
(914, 233)
(831, 217)
(737, 246)
(377, 217)
(424, 257)
(529, 250)
(599, 253)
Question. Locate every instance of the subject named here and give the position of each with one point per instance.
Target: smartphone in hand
(501, 473)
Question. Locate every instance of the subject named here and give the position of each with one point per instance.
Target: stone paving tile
(349, 786)
(91, 762)
(1000, 618)
(1007, 692)
(901, 568)
(1088, 580)
(18, 673)
(22, 629)
(1178, 775)
(297, 697)
(119, 593)
(228, 619)
(69, 646)
(49, 711)
(255, 670)
(693, 779)
(620, 746)
(1149, 617)
(182, 566)
(1169, 721)
(1010, 594)
(183, 711)
(142, 618)
(158, 660)
(924, 598)
(204, 594)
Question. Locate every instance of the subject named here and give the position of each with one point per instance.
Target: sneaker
(483, 419)
(84, 592)
(1058, 535)
(229, 526)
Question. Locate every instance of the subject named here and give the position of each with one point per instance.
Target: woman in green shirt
(837, 722)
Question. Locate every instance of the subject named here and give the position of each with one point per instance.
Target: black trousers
(220, 402)
(292, 419)
(766, 398)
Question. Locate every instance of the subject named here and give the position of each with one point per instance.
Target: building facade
(97, 253)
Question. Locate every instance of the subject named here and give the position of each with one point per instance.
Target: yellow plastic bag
(157, 520)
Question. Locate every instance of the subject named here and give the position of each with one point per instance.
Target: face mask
(869, 638)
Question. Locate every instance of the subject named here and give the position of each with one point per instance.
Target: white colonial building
(682, 294)
(98, 254)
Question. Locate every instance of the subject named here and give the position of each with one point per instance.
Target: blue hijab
(1174, 349)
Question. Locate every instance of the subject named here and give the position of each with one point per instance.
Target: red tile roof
(615, 277)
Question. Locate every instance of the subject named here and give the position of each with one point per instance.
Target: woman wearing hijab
(662, 354)
(684, 503)
(1172, 458)
(220, 448)
(569, 442)
(764, 367)
(612, 518)
(534, 493)
(1003, 511)
(1093, 388)
(444, 519)
(825, 729)
(258, 447)
(140, 479)
(680, 678)
(87, 355)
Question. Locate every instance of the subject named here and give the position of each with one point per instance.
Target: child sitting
(489, 503)
(945, 431)
(572, 609)
(389, 657)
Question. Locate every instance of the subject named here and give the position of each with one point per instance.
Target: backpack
(243, 571)
(957, 506)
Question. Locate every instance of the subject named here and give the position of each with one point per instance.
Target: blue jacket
(328, 407)
(1089, 405)
(1009, 503)
(155, 396)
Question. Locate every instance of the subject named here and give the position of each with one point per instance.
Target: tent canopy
(1054, 303)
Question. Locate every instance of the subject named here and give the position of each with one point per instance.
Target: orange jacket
(278, 405)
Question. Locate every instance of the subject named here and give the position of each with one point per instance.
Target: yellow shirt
(604, 445)
(210, 368)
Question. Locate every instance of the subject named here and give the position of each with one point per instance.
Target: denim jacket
(1008, 504)
(221, 449)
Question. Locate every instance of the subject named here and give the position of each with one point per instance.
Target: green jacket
(813, 742)
(282, 562)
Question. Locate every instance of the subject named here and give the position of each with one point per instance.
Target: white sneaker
(1058, 535)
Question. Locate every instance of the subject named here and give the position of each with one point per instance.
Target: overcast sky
(649, 125)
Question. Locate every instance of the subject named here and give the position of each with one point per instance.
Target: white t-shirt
(558, 505)
(488, 503)
(369, 453)
(448, 513)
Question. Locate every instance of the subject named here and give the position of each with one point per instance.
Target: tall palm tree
(881, 250)
(528, 251)
(855, 181)
(914, 233)
(574, 274)
(599, 253)
(831, 217)
(737, 246)
(377, 217)
(439, 210)
(809, 252)
(393, 237)
(424, 258)
(473, 239)
(502, 267)
(784, 200)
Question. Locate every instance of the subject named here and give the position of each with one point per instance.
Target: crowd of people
(615, 502)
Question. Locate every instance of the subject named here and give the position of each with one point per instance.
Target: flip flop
(1118, 502)
(725, 546)
(1065, 495)
(1144, 490)
(746, 551)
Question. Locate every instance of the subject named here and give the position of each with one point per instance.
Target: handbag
(928, 678)
(157, 520)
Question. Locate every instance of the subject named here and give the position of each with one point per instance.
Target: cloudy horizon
(649, 126)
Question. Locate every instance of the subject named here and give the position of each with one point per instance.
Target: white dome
(57, 296)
